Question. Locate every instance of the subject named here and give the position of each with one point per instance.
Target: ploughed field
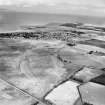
(94, 42)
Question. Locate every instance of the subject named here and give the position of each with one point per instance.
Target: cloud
(93, 3)
(28, 2)
(98, 3)
(62, 6)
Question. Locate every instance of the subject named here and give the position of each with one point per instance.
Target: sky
(84, 7)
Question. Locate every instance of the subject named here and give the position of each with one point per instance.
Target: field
(49, 66)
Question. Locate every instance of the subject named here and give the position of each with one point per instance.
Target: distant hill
(12, 20)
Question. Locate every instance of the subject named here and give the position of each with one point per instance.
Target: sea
(12, 21)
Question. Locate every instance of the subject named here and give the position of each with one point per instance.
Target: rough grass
(11, 96)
